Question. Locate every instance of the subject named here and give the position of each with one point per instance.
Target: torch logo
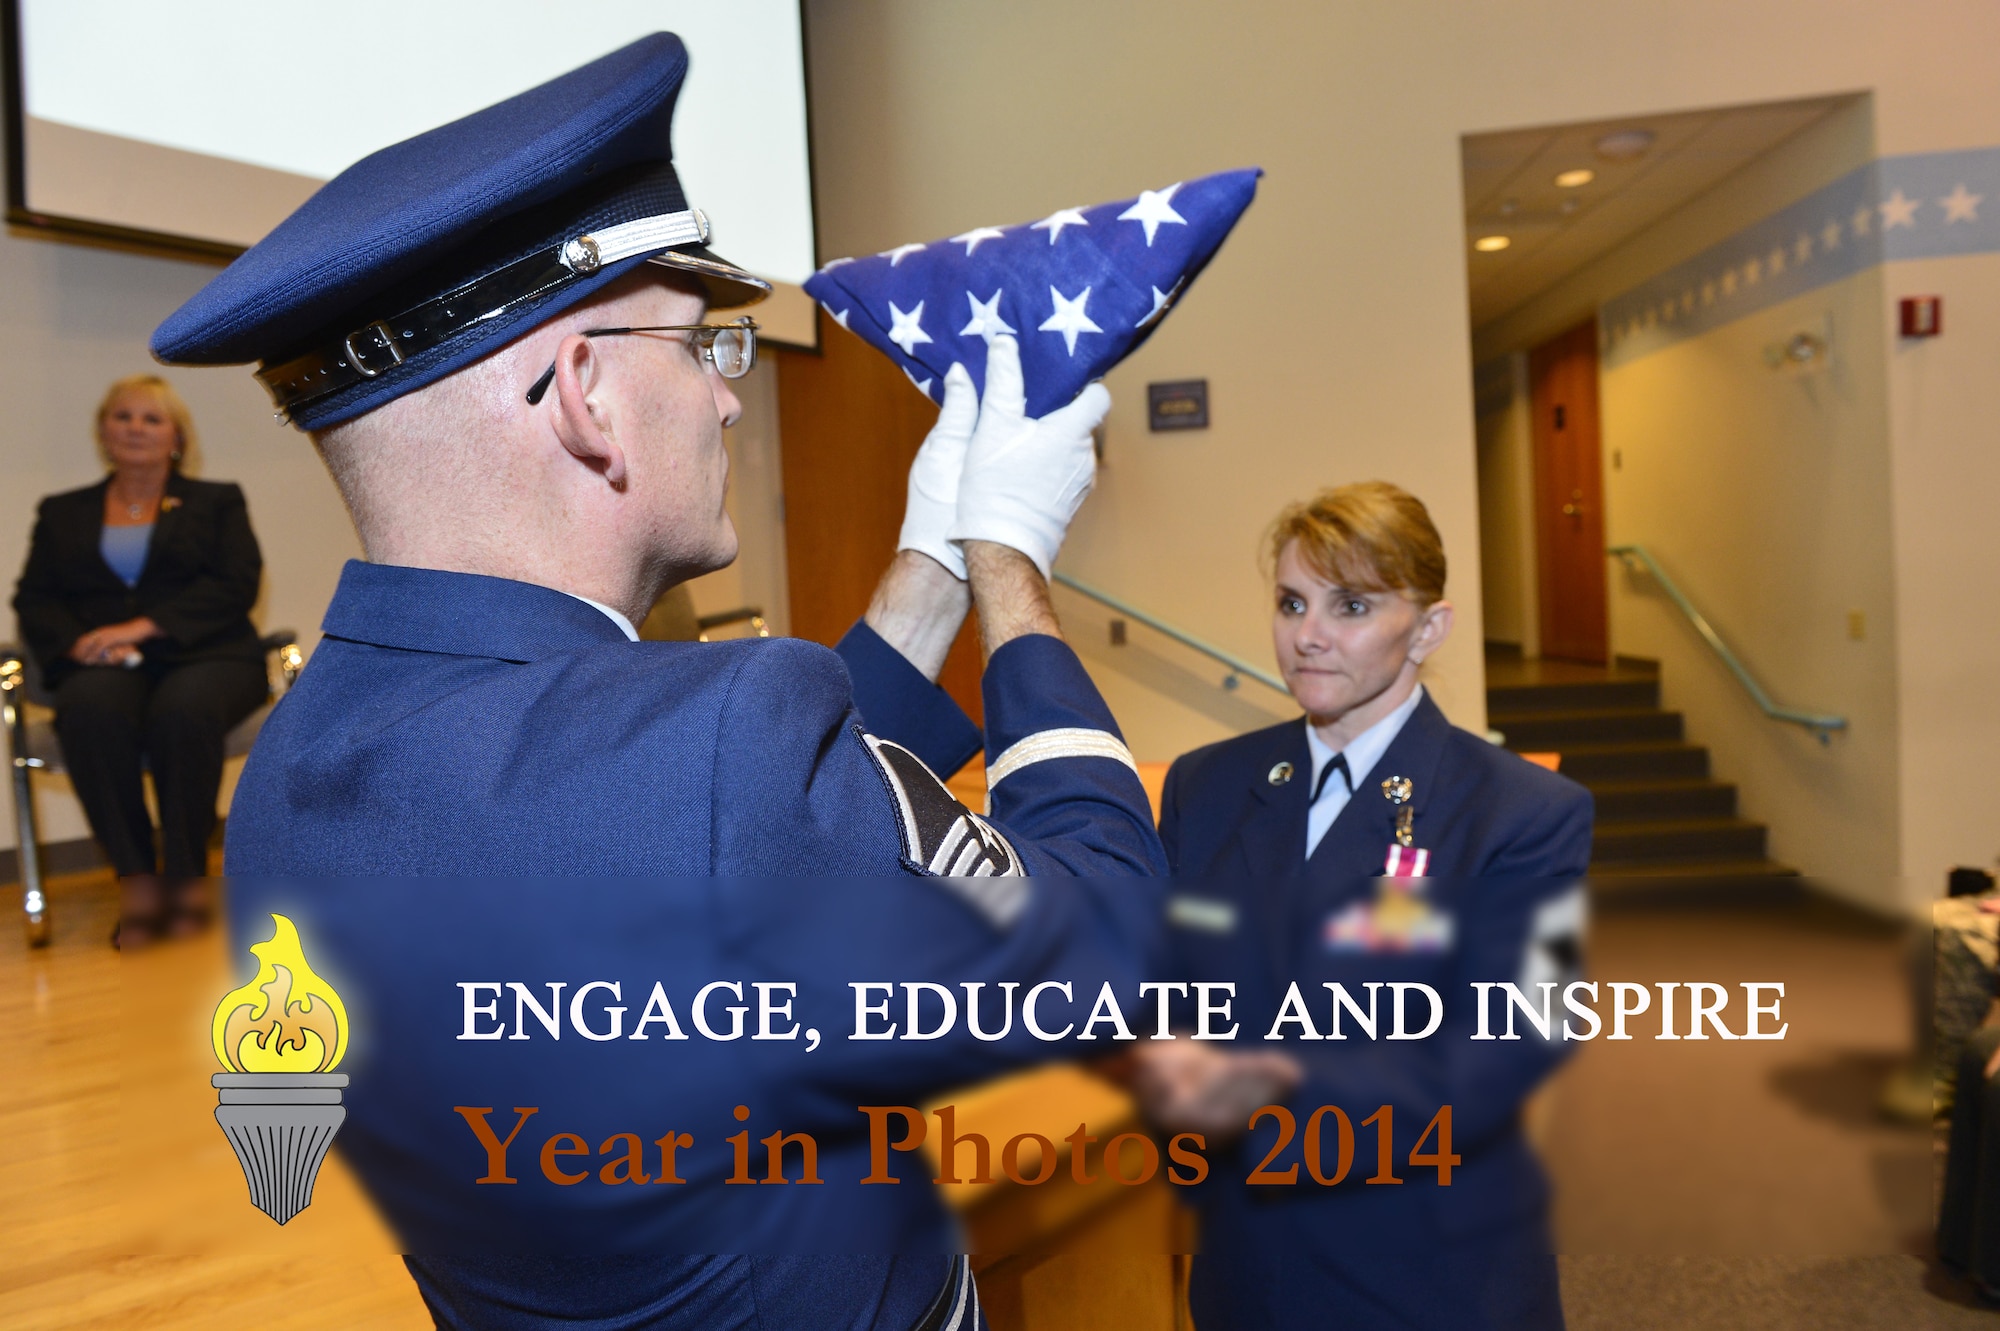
(282, 1034)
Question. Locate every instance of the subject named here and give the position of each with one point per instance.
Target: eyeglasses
(731, 348)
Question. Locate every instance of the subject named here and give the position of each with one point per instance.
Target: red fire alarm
(1922, 316)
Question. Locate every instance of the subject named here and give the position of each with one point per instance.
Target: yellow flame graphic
(286, 1019)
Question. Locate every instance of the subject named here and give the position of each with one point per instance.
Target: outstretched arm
(918, 608)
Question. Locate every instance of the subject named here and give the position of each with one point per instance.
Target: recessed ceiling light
(1576, 179)
(1622, 145)
(1491, 244)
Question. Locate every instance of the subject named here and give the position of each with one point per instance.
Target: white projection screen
(197, 125)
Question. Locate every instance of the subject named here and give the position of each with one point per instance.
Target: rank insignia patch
(940, 835)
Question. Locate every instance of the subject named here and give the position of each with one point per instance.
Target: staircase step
(1511, 699)
(1631, 762)
(1693, 868)
(1660, 801)
(1557, 730)
(1679, 839)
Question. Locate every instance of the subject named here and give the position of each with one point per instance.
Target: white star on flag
(1728, 285)
(1752, 271)
(1864, 217)
(1056, 221)
(898, 254)
(1161, 301)
(831, 264)
(1776, 262)
(1802, 248)
(1959, 205)
(906, 330)
(923, 385)
(1829, 236)
(839, 317)
(971, 239)
(986, 321)
(1899, 211)
(1069, 318)
(1153, 209)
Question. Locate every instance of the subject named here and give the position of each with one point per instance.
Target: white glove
(1024, 479)
(933, 501)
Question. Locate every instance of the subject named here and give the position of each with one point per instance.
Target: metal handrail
(1822, 724)
(752, 613)
(1237, 665)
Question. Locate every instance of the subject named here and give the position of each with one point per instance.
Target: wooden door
(1569, 496)
(849, 424)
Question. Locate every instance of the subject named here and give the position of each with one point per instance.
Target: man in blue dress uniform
(498, 336)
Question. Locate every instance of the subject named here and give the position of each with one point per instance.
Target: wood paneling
(850, 423)
(1569, 496)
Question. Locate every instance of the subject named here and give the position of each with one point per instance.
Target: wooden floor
(121, 1205)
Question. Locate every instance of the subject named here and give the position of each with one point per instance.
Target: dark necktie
(1339, 764)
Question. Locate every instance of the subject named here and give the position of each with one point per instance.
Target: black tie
(1339, 764)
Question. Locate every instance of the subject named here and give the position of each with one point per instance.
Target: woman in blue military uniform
(1368, 842)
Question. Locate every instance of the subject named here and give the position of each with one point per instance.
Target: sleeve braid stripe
(1068, 742)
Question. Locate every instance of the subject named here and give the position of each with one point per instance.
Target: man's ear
(1432, 629)
(582, 419)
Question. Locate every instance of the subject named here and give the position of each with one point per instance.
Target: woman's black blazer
(201, 576)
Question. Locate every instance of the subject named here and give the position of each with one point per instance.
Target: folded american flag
(1080, 289)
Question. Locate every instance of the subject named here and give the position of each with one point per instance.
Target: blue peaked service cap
(1081, 289)
(427, 255)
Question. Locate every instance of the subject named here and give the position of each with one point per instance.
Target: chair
(26, 712)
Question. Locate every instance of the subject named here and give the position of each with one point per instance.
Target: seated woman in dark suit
(136, 605)
(1366, 843)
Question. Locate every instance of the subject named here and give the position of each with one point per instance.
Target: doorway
(1545, 210)
(1569, 496)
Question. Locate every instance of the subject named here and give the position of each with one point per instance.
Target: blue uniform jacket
(478, 780)
(1507, 841)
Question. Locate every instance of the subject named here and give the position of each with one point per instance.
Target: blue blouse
(124, 549)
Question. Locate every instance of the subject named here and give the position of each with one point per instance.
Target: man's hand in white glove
(922, 598)
(934, 477)
(1024, 479)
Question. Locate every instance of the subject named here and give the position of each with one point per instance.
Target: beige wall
(1945, 485)
(1506, 466)
(1332, 328)
(1765, 495)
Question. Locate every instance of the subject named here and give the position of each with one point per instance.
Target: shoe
(190, 907)
(142, 912)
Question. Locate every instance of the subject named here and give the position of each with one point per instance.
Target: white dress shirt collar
(616, 617)
(1365, 750)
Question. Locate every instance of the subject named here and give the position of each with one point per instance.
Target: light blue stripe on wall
(1913, 207)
